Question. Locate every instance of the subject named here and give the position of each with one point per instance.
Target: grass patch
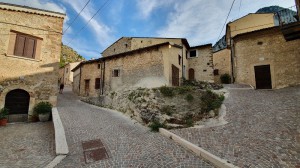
(167, 91)
(189, 98)
(155, 125)
(167, 110)
(211, 101)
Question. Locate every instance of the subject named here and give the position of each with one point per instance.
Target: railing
(286, 16)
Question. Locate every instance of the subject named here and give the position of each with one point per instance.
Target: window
(116, 73)
(179, 59)
(98, 66)
(193, 53)
(216, 72)
(25, 46)
(97, 83)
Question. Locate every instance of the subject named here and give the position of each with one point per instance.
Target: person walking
(61, 88)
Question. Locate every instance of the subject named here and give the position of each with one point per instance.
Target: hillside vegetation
(69, 55)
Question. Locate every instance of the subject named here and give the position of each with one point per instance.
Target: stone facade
(65, 73)
(222, 63)
(149, 63)
(37, 75)
(202, 64)
(267, 47)
(89, 72)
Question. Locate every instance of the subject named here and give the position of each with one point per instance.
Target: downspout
(103, 77)
(182, 64)
(232, 60)
(80, 79)
(100, 89)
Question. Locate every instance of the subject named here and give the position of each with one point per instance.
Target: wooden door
(87, 86)
(175, 76)
(17, 101)
(191, 74)
(263, 77)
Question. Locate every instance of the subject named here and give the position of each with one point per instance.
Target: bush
(184, 89)
(225, 78)
(155, 125)
(211, 101)
(42, 108)
(189, 122)
(4, 113)
(167, 110)
(189, 98)
(166, 91)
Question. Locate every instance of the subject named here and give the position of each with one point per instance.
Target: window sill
(19, 57)
(192, 57)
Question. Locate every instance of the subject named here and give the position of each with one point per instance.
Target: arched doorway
(17, 101)
(191, 74)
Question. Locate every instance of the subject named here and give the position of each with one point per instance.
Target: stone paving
(27, 145)
(128, 144)
(263, 129)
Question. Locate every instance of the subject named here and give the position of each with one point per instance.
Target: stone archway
(17, 101)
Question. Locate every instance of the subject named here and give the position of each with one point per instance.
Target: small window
(179, 59)
(193, 53)
(116, 73)
(25, 46)
(208, 63)
(98, 66)
(126, 45)
(204, 70)
(97, 83)
(216, 72)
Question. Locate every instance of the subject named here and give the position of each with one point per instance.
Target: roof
(203, 45)
(27, 9)
(255, 31)
(184, 41)
(123, 54)
(249, 15)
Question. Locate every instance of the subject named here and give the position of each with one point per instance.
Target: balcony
(288, 20)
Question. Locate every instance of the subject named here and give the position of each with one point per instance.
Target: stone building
(221, 64)
(30, 45)
(65, 73)
(133, 62)
(265, 60)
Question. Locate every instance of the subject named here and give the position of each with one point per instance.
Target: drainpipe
(103, 77)
(232, 60)
(182, 63)
(80, 78)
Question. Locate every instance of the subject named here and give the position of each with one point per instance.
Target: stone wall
(39, 76)
(202, 64)
(267, 47)
(139, 69)
(67, 73)
(222, 63)
(89, 72)
(120, 46)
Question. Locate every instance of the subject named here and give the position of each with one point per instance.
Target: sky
(200, 21)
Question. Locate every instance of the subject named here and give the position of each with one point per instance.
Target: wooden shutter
(19, 46)
(29, 49)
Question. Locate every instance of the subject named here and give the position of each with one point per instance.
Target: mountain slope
(69, 55)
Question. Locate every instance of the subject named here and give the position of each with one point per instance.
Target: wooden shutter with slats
(19, 47)
(29, 48)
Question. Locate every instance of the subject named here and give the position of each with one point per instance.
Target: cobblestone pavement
(128, 144)
(27, 145)
(263, 129)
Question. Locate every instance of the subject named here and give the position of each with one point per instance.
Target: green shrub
(189, 122)
(211, 101)
(225, 78)
(42, 108)
(167, 110)
(4, 113)
(184, 89)
(155, 125)
(167, 91)
(189, 98)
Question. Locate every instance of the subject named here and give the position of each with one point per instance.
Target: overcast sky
(200, 21)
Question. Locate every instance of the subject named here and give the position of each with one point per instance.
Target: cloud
(46, 5)
(102, 32)
(201, 21)
(146, 7)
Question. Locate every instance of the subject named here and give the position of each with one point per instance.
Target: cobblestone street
(263, 129)
(128, 144)
(27, 145)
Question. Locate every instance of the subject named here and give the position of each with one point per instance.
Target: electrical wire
(226, 19)
(76, 17)
(88, 21)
